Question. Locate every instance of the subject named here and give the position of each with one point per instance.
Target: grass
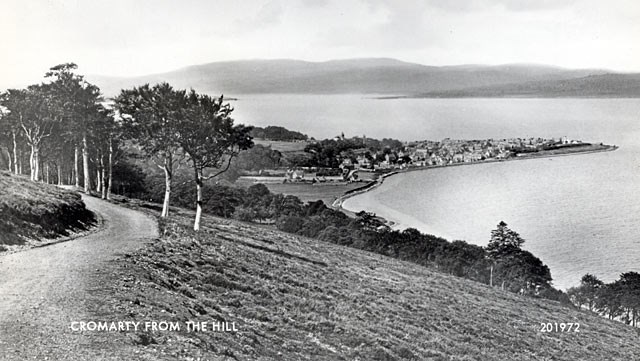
(572, 149)
(307, 192)
(294, 298)
(281, 145)
(36, 211)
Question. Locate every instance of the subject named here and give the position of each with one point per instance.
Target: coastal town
(334, 169)
(357, 155)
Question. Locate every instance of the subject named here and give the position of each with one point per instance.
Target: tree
(209, 138)
(587, 293)
(10, 134)
(503, 241)
(151, 117)
(29, 109)
(79, 104)
(519, 270)
(629, 291)
(107, 133)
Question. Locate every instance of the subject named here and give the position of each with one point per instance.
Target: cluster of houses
(447, 151)
(428, 153)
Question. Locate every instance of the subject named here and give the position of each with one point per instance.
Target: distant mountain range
(383, 76)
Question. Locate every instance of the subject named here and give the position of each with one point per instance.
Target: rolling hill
(602, 85)
(362, 76)
(294, 298)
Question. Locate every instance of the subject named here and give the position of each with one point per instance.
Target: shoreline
(338, 203)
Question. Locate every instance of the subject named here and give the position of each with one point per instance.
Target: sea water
(578, 213)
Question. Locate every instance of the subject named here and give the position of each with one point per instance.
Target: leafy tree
(257, 158)
(151, 116)
(285, 205)
(78, 104)
(517, 269)
(106, 140)
(29, 108)
(503, 241)
(290, 224)
(587, 293)
(629, 289)
(128, 179)
(609, 300)
(10, 132)
(209, 138)
(277, 133)
(369, 221)
(522, 271)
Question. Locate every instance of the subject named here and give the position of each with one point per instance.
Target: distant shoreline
(592, 148)
(508, 96)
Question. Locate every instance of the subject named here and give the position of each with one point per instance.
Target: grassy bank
(33, 212)
(294, 298)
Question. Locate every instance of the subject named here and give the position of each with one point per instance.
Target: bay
(579, 214)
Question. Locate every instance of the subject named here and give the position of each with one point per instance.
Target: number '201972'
(559, 327)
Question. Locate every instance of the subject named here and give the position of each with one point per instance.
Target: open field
(327, 192)
(573, 149)
(293, 298)
(282, 146)
(32, 211)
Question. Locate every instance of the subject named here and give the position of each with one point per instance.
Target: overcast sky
(137, 37)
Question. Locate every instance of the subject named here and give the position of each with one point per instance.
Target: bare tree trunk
(103, 183)
(110, 168)
(85, 164)
(10, 159)
(31, 165)
(491, 277)
(34, 163)
(60, 181)
(46, 169)
(98, 181)
(15, 154)
(196, 223)
(75, 170)
(20, 163)
(98, 175)
(168, 174)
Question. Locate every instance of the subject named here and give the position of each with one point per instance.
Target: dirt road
(44, 290)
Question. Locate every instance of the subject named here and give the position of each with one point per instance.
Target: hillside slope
(602, 85)
(293, 298)
(363, 76)
(32, 211)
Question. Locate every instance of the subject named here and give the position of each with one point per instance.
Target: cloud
(535, 5)
(315, 3)
(387, 26)
(269, 14)
(462, 6)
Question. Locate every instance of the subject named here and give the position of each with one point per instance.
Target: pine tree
(503, 241)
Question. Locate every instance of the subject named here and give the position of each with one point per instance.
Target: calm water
(578, 213)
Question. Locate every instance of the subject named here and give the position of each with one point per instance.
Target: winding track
(43, 290)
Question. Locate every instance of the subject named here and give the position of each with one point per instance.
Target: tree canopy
(516, 269)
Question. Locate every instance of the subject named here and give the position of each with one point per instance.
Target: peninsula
(450, 152)
(335, 169)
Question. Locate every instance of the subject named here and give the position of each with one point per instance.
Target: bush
(290, 224)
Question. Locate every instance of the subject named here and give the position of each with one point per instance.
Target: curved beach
(398, 220)
(561, 206)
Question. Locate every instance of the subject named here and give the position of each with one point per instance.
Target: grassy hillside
(294, 298)
(602, 85)
(35, 211)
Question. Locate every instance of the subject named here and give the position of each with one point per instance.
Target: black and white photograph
(387, 180)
